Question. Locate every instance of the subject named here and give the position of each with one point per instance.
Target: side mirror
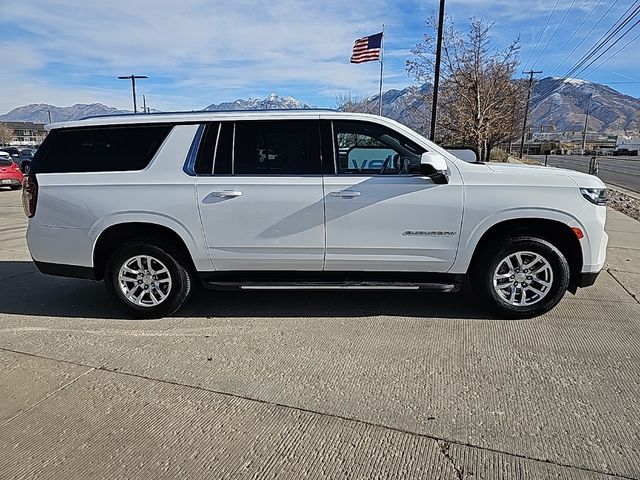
(25, 166)
(468, 154)
(434, 165)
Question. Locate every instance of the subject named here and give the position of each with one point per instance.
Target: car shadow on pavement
(30, 293)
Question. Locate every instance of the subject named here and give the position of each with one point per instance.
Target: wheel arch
(119, 233)
(556, 232)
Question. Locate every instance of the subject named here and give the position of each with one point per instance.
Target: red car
(10, 174)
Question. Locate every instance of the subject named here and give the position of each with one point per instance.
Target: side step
(432, 287)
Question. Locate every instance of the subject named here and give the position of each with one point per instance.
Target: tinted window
(105, 149)
(224, 150)
(204, 160)
(5, 161)
(370, 149)
(276, 148)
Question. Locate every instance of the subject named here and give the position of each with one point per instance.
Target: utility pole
(49, 112)
(436, 79)
(133, 87)
(531, 73)
(144, 103)
(584, 131)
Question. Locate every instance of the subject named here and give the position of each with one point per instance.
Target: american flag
(367, 49)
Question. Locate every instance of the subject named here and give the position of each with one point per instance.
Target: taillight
(29, 195)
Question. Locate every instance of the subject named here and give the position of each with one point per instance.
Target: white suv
(153, 204)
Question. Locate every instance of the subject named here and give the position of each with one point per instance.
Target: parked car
(152, 204)
(26, 155)
(14, 152)
(10, 174)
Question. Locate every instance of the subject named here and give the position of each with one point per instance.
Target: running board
(432, 287)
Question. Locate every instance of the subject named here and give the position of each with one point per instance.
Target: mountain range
(557, 102)
(39, 112)
(272, 101)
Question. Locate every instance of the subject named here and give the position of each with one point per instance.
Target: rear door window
(104, 149)
(280, 147)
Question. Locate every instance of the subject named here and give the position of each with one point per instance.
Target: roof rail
(191, 112)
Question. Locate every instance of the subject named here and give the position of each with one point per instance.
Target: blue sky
(198, 52)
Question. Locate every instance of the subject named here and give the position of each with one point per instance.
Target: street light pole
(133, 87)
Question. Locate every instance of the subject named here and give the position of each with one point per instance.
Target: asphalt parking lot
(316, 384)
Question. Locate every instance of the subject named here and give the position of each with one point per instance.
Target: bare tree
(480, 102)
(6, 134)
(356, 102)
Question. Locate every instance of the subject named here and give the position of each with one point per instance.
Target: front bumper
(586, 279)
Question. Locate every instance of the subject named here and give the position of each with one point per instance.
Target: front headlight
(597, 196)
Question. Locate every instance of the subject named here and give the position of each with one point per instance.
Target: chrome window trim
(215, 149)
(192, 155)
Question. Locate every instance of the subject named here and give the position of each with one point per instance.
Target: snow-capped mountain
(273, 101)
(554, 101)
(39, 112)
(564, 102)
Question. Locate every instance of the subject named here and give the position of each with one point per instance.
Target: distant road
(621, 171)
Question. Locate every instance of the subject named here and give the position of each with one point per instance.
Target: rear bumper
(10, 182)
(62, 270)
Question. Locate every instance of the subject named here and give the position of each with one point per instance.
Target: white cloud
(224, 45)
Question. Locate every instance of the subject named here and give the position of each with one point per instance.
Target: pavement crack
(370, 424)
(444, 446)
(631, 294)
(47, 397)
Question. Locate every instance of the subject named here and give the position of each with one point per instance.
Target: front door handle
(226, 193)
(346, 194)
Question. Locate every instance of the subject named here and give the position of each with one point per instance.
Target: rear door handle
(226, 193)
(346, 194)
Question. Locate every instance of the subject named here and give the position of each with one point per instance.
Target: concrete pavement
(317, 384)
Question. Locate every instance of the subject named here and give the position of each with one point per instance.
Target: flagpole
(381, 67)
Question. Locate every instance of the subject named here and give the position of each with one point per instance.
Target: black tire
(177, 291)
(15, 187)
(482, 277)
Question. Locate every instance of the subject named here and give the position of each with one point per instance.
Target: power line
(584, 37)
(584, 20)
(609, 47)
(542, 33)
(564, 17)
(604, 39)
(610, 57)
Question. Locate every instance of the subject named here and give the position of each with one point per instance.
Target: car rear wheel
(148, 280)
(521, 277)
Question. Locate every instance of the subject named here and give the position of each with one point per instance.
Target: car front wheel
(522, 277)
(147, 280)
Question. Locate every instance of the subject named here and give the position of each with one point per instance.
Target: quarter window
(105, 149)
